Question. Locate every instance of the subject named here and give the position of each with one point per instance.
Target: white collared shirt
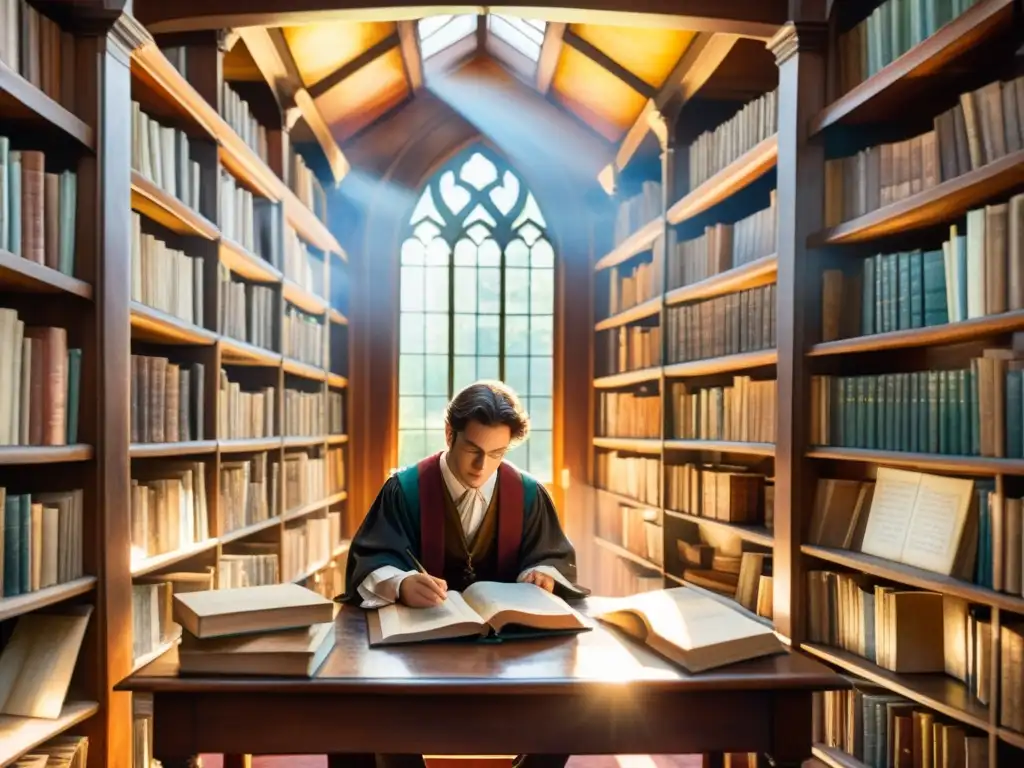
(381, 586)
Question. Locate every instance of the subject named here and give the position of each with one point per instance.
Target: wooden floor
(582, 761)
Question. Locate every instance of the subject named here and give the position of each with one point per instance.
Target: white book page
(938, 523)
(891, 509)
(687, 619)
(489, 598)
(400, 619)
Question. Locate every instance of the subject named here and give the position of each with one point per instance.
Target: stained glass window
(477, 301)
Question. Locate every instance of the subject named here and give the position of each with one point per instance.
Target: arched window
(477, 301)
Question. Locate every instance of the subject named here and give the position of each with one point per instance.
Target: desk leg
(713, 760)
(237, 761)
(792, 730)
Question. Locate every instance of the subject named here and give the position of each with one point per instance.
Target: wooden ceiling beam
(694, 68)
(550, 50)
(598, 56)
(750, 18)
(270, 51)
(412, 58)
(324, 84)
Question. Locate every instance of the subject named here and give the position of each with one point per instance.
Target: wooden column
(105, 50)
(799, 52)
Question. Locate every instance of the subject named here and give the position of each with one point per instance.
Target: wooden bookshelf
(20, 99)
(19, 735)
(114, 319)
(896, 102)
(634, 295)
(741, 172)
(819, 122)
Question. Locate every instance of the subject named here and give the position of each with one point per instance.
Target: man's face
(477, 451)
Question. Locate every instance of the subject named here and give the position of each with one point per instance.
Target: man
(466, 515)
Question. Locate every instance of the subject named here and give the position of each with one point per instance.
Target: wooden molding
(335, 157)
(270, 52)
(411, 56)
(635, 135)
(748, 18)
(550, 50)
(229, 38)
(799, 36)
(128, 33)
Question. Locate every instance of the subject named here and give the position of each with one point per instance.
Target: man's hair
(490, 403)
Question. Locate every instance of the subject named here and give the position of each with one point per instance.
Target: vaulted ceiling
(341, 76)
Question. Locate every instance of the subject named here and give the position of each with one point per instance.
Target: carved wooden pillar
(799, 53)
(103, 55)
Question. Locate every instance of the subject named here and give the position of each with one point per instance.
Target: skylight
(440, 32)
(525, 35)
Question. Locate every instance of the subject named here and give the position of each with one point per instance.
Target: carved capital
(226, 39)
(291, 116)
(798, 37)
(128, 32)
(659, 127)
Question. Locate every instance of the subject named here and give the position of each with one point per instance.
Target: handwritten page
(891, 510)
(938, 523)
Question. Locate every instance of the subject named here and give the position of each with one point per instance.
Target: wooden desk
(595, 693)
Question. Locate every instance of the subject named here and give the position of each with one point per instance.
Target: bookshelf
(200, 297)
(672, 271)
(838, 98)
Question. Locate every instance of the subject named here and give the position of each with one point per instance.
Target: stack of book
(276, 629)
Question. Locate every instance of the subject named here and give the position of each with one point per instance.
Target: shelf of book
(880, 94)
(626, 378)
(20, 735)
(247, 264)
(931, 206)
(164, 408)
(150, 64)
(755, 534)
(626, 554)
(21, 99)
(936, 691)
(640, 311)
(760, 271)
(13, 455)
(672, 281)
(639, 241)
(11, 607)
(934, 642)
(915, 577)
(741, 172)
(967, 465)
(172, 213)
(945, 333)
(741, 361)
(20, 274)
(161, 328)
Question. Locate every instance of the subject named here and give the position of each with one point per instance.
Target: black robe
(390, 528)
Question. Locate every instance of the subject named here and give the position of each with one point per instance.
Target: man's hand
(421, 590)
(542, 580)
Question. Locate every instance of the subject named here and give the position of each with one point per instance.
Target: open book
(923, 520)
(485, 608)
(694, 631)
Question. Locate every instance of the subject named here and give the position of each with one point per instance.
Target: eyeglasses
(476, 452)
